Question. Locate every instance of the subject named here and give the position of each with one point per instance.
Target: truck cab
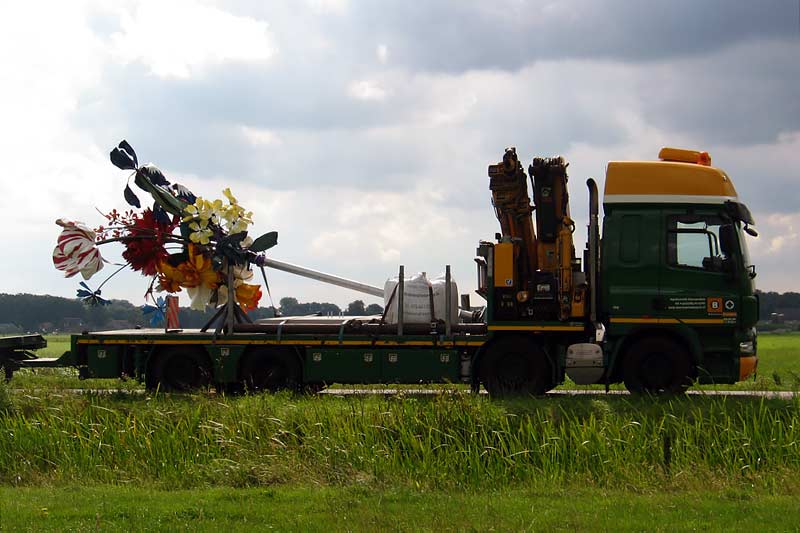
(663, 299)
(676, 282)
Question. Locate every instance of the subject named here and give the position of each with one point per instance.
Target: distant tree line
(773, 302)
(31, 312)
(21, 313)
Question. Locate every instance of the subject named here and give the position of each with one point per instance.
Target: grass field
(121, 462)
(441, 442)
(458, 462)
(365, 509)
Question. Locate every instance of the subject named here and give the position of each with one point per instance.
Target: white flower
(199, 296)
(76, 250)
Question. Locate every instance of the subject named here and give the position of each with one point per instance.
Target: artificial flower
(91, 297)
(241, 274)
(170, 278)
(248, 296)
(231, 198)
(157, 312)
(198, 270)
(204, 210)
(199, 296)
(76, 250)
(144, 245)
(201, 233)
(236, 218)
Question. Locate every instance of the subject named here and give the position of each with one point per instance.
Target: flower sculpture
(182, 242)
(76, 250)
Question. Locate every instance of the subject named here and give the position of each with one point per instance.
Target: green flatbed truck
(664, 299)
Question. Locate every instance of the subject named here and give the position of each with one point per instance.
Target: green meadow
(116, 461)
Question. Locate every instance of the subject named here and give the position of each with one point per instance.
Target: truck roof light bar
(685, 156)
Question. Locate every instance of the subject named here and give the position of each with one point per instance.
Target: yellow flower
(201, 233)
(204, 211)
(229, 196)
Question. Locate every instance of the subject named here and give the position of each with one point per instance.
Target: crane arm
(512, 206)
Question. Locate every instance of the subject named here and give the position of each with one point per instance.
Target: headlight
(747, 348)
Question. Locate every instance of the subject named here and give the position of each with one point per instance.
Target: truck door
(631, 264)
(697, 280)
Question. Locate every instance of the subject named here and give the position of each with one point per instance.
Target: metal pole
(323, 277)
(448, 311)
(230, 318)
(593, 243)
(400, 299)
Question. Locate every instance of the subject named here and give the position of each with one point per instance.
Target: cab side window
(698, 242)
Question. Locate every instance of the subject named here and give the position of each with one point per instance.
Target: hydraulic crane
(543, 267)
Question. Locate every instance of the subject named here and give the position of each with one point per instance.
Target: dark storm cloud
(457, 35)
(709, 70)
(741, 95)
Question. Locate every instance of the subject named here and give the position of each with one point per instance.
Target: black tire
(271, 371)
(516, 366)
(657, 365)
(180, 370)
(314, 388)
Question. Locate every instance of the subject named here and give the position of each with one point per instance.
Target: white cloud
(178, 38)
(366, 90)
(382, 53)
(261, 137)
(325, 7)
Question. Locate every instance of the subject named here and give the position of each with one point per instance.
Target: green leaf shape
(265, 242)
(161, 195)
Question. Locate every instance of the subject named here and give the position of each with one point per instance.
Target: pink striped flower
(76, 251)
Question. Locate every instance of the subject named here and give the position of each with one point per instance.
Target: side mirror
(727, 239)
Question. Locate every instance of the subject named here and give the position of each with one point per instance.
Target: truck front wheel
(515, 366)
(657, 365)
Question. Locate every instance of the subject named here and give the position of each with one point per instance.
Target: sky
(361, 130)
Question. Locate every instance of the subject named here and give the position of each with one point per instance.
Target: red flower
(144, 243)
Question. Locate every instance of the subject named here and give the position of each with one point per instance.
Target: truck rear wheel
(179, 370)
(515, 366)
(272, 371)
(657, 365)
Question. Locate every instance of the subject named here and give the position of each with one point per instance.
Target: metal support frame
(448, 311)
(400, 299)
(230, 313)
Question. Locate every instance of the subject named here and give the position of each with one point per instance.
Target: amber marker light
(685, 156)
(704, 159)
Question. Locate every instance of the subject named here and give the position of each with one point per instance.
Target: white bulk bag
(439, 286)
(416, 300)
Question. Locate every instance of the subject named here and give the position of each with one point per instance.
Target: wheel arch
(480, 355)
(686, 337)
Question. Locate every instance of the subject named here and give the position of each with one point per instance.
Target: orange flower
(198, 270)
(170, 278)
(248, 296)
(196, 273)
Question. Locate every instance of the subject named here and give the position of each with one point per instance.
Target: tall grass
(447, 441)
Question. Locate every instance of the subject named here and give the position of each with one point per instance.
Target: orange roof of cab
(646, 178)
